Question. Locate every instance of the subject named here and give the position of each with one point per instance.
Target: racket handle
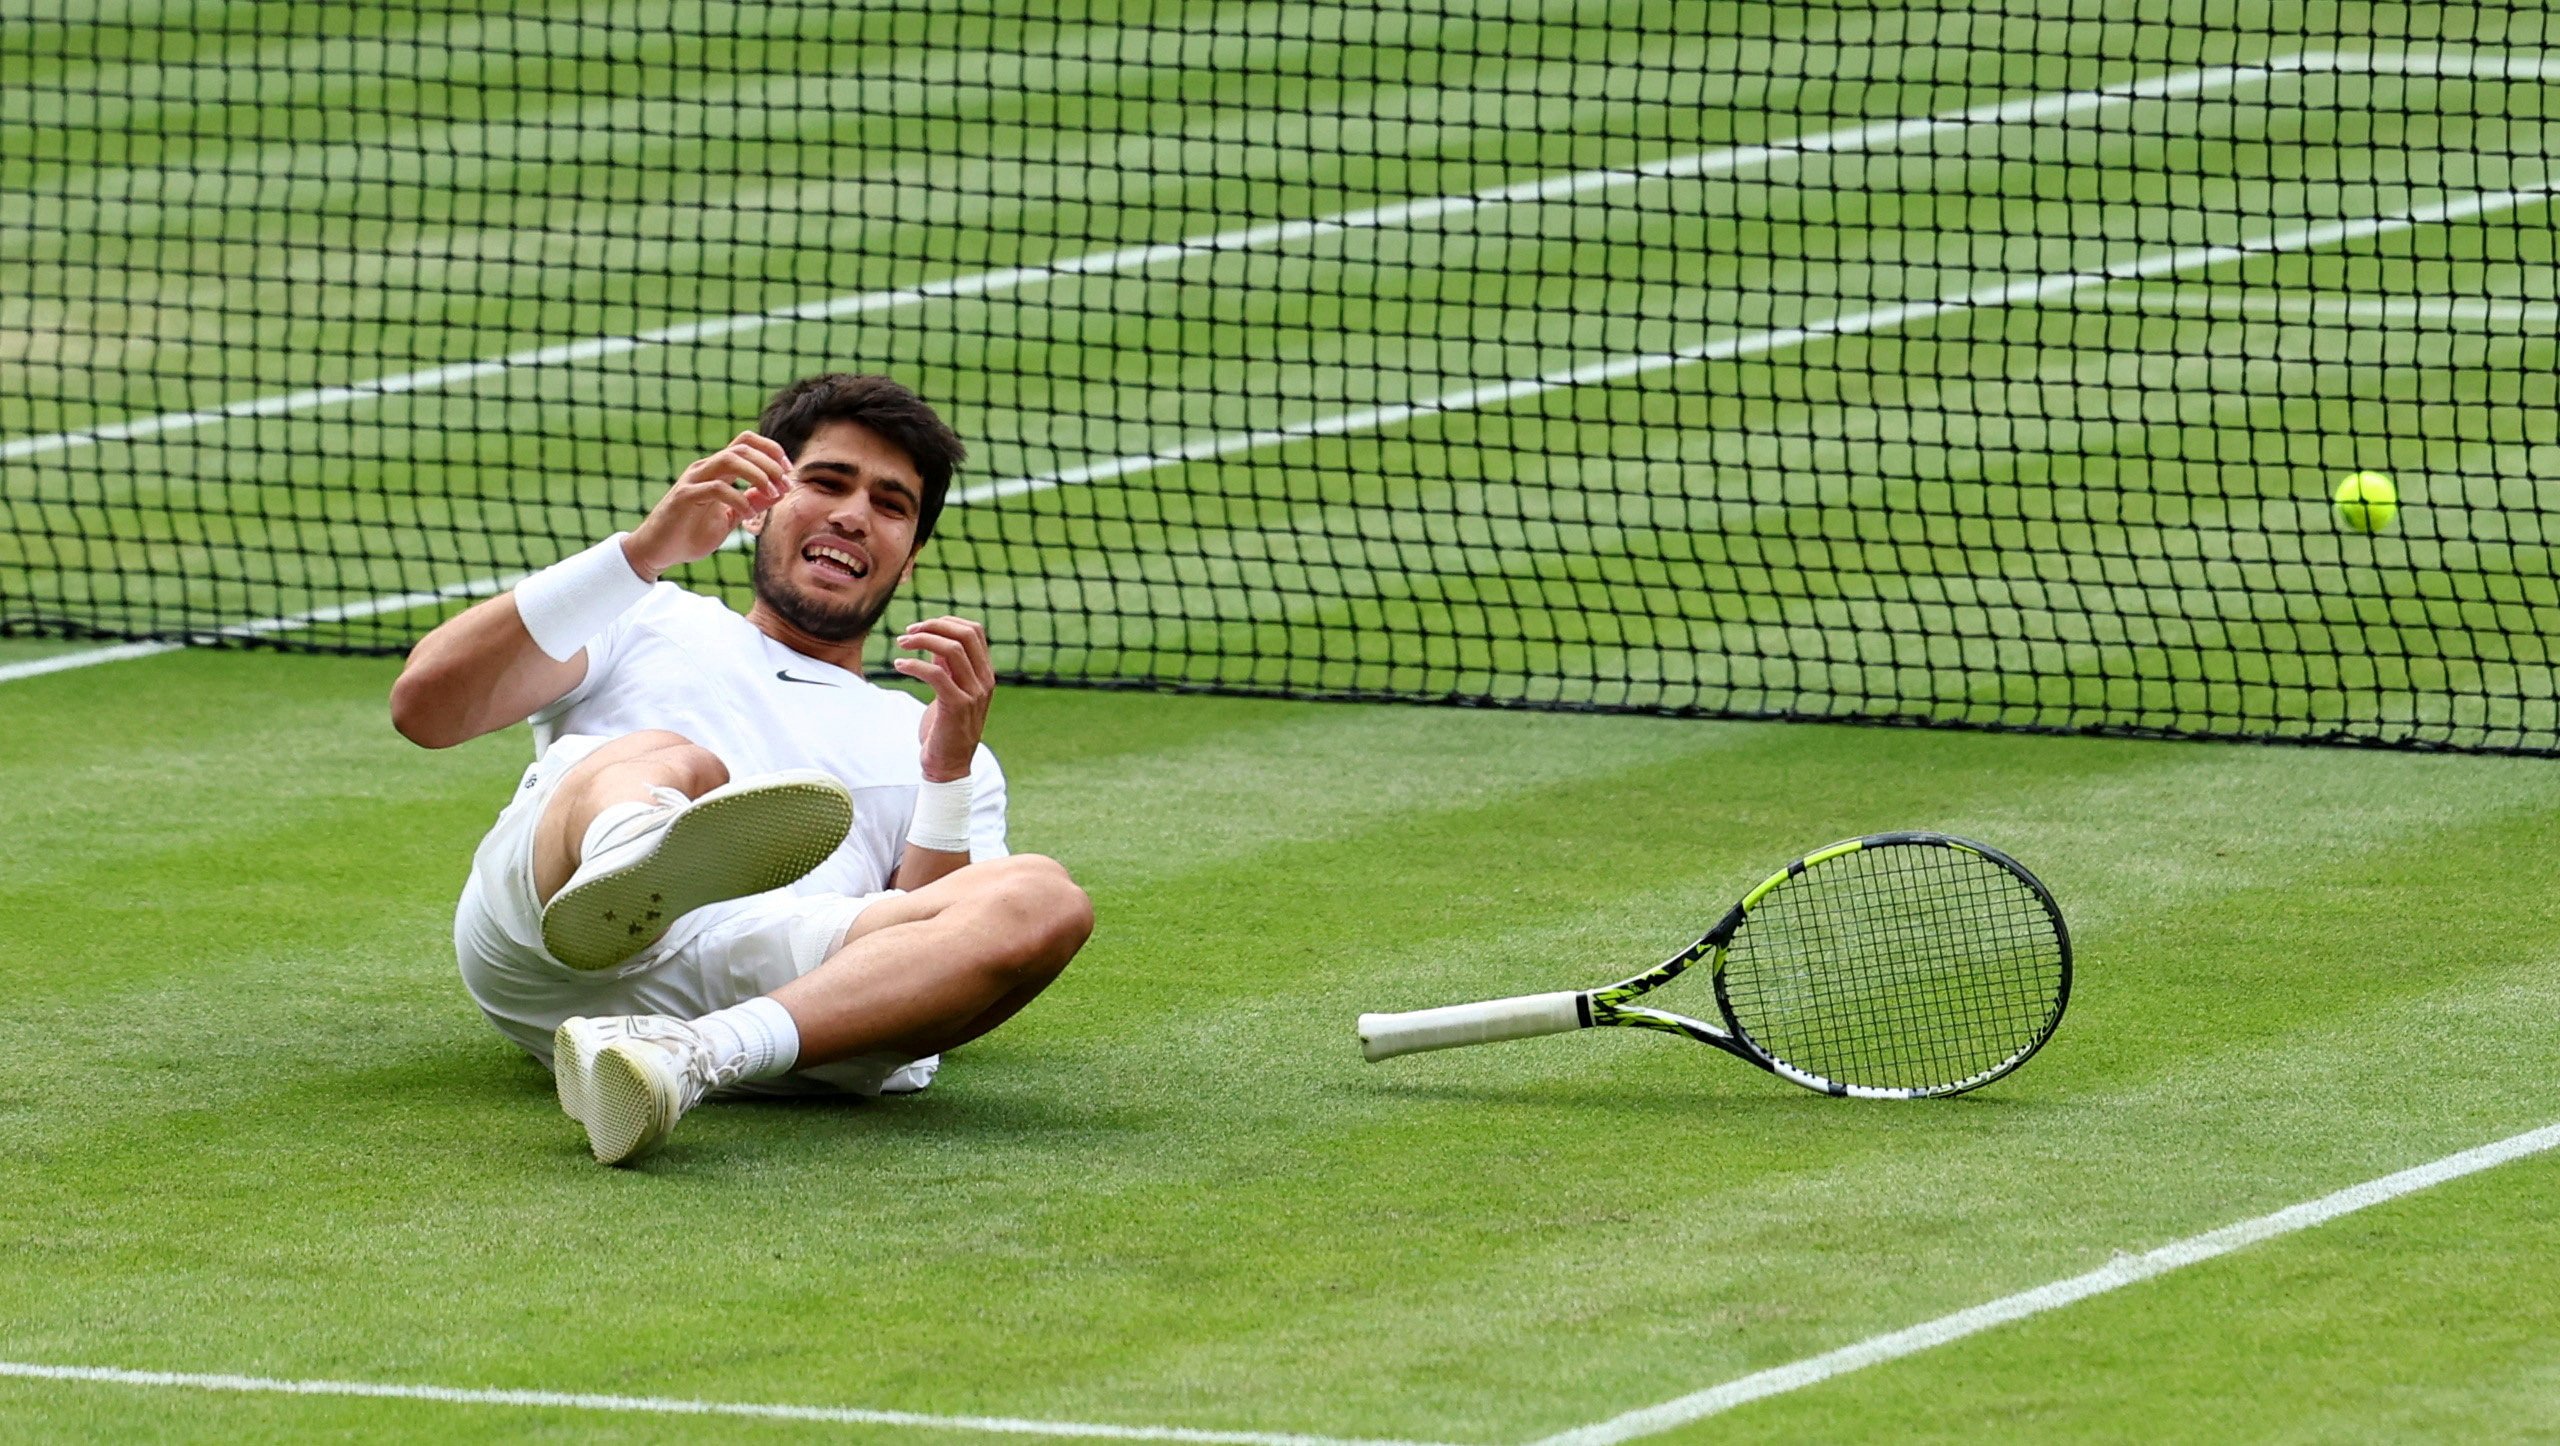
(1384, 1036)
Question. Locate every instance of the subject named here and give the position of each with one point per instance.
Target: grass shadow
(1767, 1098)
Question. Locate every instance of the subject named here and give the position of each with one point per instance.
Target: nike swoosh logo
(785, 675)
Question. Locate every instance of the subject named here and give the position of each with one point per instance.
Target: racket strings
(1928, 980)
(1932, 1005)
(1898, 966)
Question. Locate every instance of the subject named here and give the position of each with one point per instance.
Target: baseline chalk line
(670, 1406)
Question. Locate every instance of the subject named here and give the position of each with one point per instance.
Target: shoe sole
(626, 1105)
(573, 1058)
(724, 846)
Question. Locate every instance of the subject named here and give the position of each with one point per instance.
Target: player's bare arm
(485, 669)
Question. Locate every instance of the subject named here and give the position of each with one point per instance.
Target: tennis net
(1979, 364)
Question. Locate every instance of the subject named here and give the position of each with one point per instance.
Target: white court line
(2115, 1275)
(673, 1406)
(2027, 292)
(1694, 166)
(2444, 64)
(1697, 165)
(2024, 292)
(2037, 291)
(2445, 311)
(63, 662)
(1652, 1420)
(337, 613)
(1701, 164)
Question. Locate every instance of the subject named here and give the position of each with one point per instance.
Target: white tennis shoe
(629, 1078)
(651, 863)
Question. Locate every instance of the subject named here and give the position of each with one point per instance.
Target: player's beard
(820, 618)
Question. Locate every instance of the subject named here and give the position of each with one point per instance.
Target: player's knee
(1050, 914)
(690, 767)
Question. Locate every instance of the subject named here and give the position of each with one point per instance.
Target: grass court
(260, 1130)
(1778, 439)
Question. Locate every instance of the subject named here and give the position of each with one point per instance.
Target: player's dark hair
(800, 409)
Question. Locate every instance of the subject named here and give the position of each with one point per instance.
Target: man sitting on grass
(734, 862)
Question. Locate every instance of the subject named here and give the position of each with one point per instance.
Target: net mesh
(1900, 966)
(1986, 364)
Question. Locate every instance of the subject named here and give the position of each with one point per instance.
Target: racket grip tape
(1384, 1036)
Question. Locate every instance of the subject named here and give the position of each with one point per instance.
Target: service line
(63, 662)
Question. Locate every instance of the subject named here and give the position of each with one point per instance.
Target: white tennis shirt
(684, 662)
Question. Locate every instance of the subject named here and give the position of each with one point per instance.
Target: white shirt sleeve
(986, 808)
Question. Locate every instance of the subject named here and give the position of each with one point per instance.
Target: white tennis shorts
(714, 957)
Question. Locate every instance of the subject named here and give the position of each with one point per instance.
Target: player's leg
(650, 826)
(909, 976)
(627, 770)
(927, 971)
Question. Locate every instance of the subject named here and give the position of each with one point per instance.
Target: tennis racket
(1896, 966)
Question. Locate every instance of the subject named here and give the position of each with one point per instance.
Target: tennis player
(735, 864)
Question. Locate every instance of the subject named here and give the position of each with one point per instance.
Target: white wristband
(566, 604)
(942, 816)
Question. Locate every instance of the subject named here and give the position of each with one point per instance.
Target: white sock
(759, 1032)
(613, 815)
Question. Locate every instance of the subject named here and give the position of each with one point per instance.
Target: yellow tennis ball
(2367, 502)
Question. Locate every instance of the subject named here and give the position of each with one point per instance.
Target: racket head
(1896, 966)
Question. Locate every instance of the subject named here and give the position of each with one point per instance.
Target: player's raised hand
(708, 502)
(957, 666)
